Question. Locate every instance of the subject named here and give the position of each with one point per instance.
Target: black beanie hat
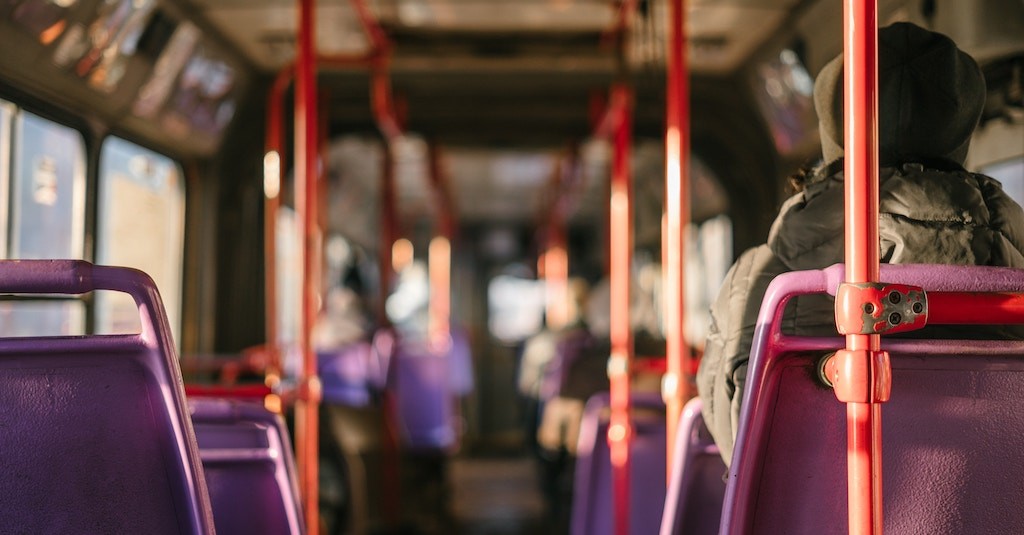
(930, 98)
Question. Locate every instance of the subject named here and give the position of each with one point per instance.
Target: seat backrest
(346, 374)
(424, 398)
(96, 436)
(461, 361)
(592, 487)
(951, 434)
(249, 467)
(696, 486)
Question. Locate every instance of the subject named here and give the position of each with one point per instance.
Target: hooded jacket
(931, 210)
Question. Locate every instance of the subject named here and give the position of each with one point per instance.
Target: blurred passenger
(350, 447)
(540, 348)
(931, 96)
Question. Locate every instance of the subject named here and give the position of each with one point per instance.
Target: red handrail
(621, 253)
(970, 308)
(676, 384)
(306, 204)
(862, 361)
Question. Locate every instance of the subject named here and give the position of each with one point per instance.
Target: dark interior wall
(237, 224)
(730, 136)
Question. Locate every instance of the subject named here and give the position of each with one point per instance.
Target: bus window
(6, 111)
(47, 190)
(1011, 174)
(289, 287)
(708, 259)
(140, 224)
(42, 318)
(516, 307)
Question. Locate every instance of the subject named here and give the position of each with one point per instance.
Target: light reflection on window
(100, 53)
(44, 19)
(784, 95)
(155, 92)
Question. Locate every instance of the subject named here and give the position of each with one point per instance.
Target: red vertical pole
(306, 203)
(388, 233)
(555, 257)
(864, 460)
(675, 388)
(621, 248)
(439, 258)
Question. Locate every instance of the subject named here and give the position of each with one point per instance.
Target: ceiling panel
(265, 30)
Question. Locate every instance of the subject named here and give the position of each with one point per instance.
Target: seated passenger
(931, 96)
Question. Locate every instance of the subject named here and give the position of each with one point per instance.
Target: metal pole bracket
(860, 376)
(880, 308)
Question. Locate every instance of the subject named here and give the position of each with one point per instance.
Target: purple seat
(570, 347)
(460, 357)
(592, 487)
(346, 375)
(96, 436)
(424, 399)
(249, 467)
(952, 432)
(696, 487)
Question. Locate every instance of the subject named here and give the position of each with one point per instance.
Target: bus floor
(497, 496)
(462, 494)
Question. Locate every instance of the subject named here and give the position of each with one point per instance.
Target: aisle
(496, 496)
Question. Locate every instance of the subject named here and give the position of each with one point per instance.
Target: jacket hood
(926, 215)
(930, 98)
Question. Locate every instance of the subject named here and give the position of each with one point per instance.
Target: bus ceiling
(470, 72)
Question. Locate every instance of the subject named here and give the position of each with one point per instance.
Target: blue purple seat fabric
(696, 487)
(424, 398)
(952, 431)
(347, 374)
(592, 488)
(250, 472)
(95, 432)
(427, 383)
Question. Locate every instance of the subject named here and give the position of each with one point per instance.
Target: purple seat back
(569, 349)
(249, 467)
(424, 399)
(592, 489)
(951, 434)
(696, 487)
(346, 374)
(461, 360)
(96, 436)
